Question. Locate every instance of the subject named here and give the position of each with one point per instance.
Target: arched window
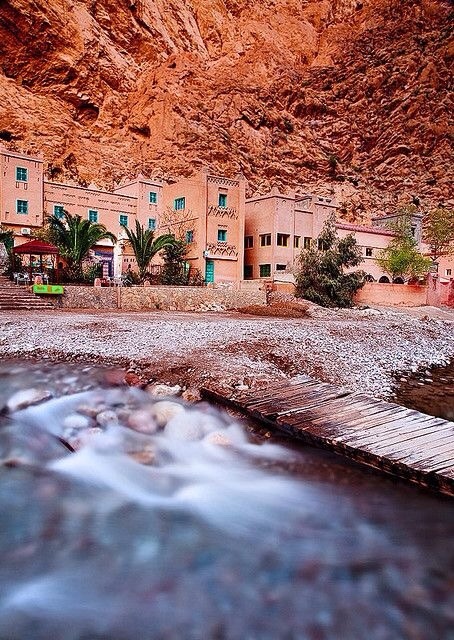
(384, 279)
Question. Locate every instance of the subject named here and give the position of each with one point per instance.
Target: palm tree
(75, 236)
(145, 246)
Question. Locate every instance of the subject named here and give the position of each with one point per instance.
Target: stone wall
(77, 297)
(188, 298)
(405, 295)
(160, 298)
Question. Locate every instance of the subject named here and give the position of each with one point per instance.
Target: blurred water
(428, 390)
(197, 529)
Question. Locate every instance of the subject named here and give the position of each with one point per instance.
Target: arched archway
(384, 279)
(398, 280)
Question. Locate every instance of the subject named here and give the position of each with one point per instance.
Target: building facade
(229, 237)
(278, 226)
(207, 211)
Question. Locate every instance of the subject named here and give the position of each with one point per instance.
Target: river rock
(160, 390)
(107, 417)
(164, 411)
(26, 398)
(184, 426)
(77, 421)
(142, 420)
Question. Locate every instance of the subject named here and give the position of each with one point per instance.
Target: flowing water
(429, 390)
(127, 518)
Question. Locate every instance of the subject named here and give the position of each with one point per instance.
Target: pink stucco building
(278, 226)
(207, 211)
(21, 193)
(229, 238)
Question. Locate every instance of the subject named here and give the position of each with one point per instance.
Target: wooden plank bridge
(384, 435)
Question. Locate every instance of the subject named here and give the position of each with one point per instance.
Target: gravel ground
(361, 350)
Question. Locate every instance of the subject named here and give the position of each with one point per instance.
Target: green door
(209, 271)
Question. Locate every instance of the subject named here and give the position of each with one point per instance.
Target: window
(265, 240)
(247, 271)
(93, 215)
(281, 267)
(21, 206)
(449, 272)
(296, 242)
(123, 219)
(59, 210)
(222, 235)
(222, 200)
(322, 246)
(153, 197)
(189, 236)
(21, 174)
(248, 242)
(368, 252)
(152, 223)
(282, 239)
(179, 203)
(307, 243)
(265, 270)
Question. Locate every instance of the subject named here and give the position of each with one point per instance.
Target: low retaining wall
(161, 298)
(75, 297)
(392, 295)
(441, 292)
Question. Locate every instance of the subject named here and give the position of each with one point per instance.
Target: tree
(175, 271)
(75, 236)
(321, 277)
(7, 257)
(145, 246)
(438, 231)
(401, 258)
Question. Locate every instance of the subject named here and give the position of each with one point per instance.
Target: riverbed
(124, 519)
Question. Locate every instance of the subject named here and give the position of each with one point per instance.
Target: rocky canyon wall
(339, 96)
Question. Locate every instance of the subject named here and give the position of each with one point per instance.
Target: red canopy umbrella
(38, 248)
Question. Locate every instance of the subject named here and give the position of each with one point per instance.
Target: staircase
(15, 297)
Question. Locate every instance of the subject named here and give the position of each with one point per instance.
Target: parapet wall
(161, 298)
(392, 295)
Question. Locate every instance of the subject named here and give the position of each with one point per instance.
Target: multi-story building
(278, 226)
(21, 193)
(206, 211)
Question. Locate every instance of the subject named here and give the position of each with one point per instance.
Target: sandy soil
(361, 350)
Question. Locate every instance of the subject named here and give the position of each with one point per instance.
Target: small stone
(218, 438)
(191, 395)
(183, 428)
(114, 377)
(146, 456)
(133, 380)
(90, 410)
(160, 390)
(143, 421)
(104, 418)
(85, 437)
(77, 421)
(164, 411)
(26, 398)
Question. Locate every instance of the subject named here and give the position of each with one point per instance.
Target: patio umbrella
(37, 248)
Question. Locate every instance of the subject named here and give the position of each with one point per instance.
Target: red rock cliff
(333, 94)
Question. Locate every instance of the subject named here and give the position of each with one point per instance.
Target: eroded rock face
(346, 95)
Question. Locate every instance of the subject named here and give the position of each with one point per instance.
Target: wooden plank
(392, 438)
(409, 429)
(432, 438)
